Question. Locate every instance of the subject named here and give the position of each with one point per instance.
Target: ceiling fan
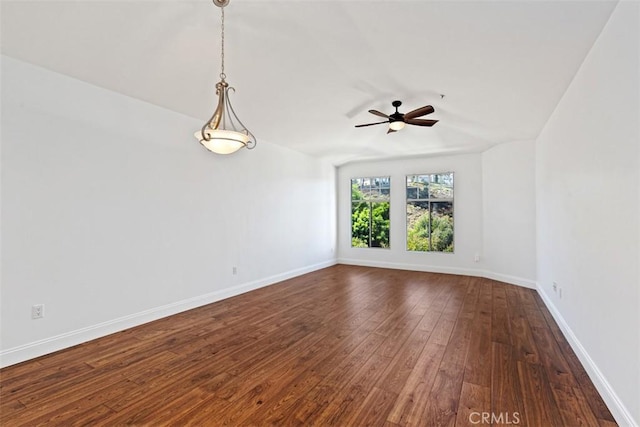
(397, 120)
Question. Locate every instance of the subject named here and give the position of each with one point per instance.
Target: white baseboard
(447, 270)
(525, 283)
(411, 267)
(68, 339)
(618, 409)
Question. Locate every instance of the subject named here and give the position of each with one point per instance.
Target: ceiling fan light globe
(396, 125)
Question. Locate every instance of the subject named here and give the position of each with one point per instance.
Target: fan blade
(419, 112)
(420, 122)
(378, 113)
(391, 131)
(371, 124)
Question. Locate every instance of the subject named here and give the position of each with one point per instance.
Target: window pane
(375, 189)
(418, 226)
(385, 187)
(442, 226)
(412, 193)
(380, 225)
(356, 193)
(417, 187)
(441, 186)
(370, 212)
(360, 225)
(430, 212)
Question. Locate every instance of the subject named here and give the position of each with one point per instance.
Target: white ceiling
(307, 71)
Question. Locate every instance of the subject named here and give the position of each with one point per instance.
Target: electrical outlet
(476, 258)
(37, 311)
(235, 270)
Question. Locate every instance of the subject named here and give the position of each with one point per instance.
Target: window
(370, 212)
(430, 212)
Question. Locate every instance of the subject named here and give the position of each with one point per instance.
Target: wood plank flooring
(341, 346)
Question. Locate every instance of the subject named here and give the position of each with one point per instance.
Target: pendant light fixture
(224, 133)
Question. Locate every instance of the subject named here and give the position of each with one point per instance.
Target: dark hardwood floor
(341, 346)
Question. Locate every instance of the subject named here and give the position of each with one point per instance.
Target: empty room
(301, 212)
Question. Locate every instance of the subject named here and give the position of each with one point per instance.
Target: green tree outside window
(430, 212)
(370, 206)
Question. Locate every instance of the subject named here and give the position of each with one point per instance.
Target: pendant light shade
(224, 133)
(222, 141)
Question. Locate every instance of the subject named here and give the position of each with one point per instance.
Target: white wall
(467, 215)
(509, 212)
(588, 192)
(113, 214)
(494, 214)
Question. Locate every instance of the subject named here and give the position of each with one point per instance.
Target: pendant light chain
(223, 76)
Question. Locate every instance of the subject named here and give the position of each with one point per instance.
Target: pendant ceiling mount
(224, 133)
